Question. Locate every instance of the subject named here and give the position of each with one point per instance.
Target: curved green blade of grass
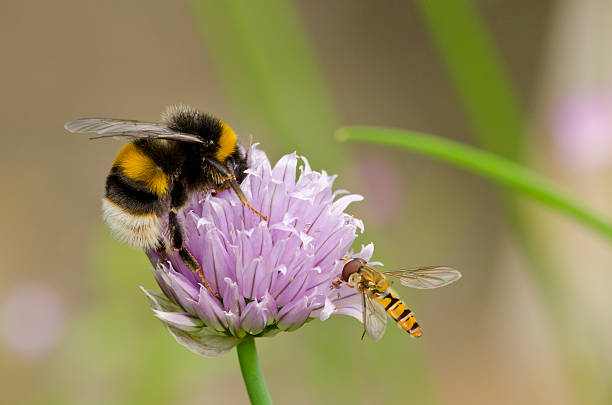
(488, 165)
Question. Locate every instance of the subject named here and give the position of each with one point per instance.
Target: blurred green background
(530, 322)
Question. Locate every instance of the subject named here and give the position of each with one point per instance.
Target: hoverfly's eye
(351, 267)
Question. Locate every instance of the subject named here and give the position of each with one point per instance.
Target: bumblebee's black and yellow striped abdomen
(400, 313)
(134, 164)
(136, 190)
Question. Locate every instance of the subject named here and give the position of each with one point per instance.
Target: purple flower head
(267, 276)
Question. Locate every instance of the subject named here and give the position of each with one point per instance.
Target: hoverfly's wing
(426, 277)
(374, 317)
(111, 127)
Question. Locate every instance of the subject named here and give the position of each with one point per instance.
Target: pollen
(136, 165)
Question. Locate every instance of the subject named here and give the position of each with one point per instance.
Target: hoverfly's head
(351, 267)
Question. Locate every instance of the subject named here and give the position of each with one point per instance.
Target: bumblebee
(153, 176)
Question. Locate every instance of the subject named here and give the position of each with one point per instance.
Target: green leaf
(498, 169)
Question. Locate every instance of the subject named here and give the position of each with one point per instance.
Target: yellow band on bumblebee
(227, 142)
(139, 167)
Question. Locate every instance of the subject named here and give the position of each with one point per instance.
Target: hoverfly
(377, 297)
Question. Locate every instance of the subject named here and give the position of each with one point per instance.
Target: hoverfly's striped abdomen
(132, 206)
(400, 313)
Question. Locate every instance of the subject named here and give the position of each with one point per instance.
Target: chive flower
(265, 276)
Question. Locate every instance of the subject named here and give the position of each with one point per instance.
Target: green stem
(251, 373)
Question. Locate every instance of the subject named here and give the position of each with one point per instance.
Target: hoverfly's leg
(363, 312)
(345, 303)
(178, 197)
(338, 282)
(364, 333)
(230, 180)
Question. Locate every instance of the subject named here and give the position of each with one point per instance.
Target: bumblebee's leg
(221, 187)
(236, 187)
(161, 249)
(230, 180)
(178, 197)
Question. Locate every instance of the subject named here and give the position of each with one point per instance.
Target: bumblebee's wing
(111, 127)
(374, 317)
(426, 277)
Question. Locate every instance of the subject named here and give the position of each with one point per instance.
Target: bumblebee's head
(351, 267)
(220, 138)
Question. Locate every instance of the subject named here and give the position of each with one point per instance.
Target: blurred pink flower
(380, 179)
(32, 319)
(582, 130)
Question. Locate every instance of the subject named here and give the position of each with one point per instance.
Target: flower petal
(160, 302)
(341, 203)
(233, 300)
(214, 260)
(254, 318)
(184, 291)
(292, 316)
(233, 321)
(365, 253)
(208, 345)
(285, 169)
(180, 320)
(342, 301)
(210, 311)
(159, 273)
